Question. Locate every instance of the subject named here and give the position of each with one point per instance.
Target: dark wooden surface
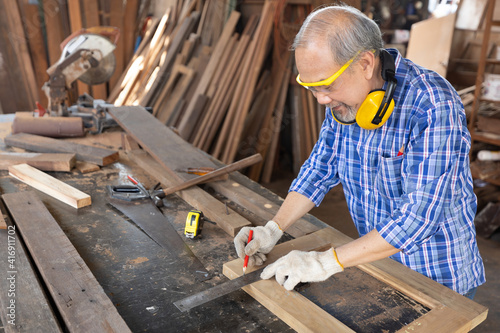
(139, 276)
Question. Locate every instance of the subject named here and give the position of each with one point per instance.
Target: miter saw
(87, 55)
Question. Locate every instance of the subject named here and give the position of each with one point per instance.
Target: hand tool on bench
(131, 193)
(147, 216)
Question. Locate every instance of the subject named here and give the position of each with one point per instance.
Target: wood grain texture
(42, 161)
(50, 185)
(33, 312)
(82, 303)
(450, 311)
(99, 156)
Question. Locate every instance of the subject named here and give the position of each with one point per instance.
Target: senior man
(395, 136)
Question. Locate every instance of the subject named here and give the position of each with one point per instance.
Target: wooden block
(32, 311)
(81, 301)
(50, 185)
(449, 311)
(42, 161)
(99, 156)
(488, 220)
(3, 225)
(84, 167)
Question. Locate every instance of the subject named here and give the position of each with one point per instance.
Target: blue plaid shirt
(421, 202)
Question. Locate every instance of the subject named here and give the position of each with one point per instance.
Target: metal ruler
(222, 289)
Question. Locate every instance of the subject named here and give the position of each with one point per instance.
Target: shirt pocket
(388, 180)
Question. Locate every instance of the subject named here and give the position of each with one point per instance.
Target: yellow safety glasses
(331, 79)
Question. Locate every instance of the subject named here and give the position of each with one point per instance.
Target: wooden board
(3, 225)
(50, 185)
(42, 161)
(428, 49)
(227, 219)
(30, 310)
(99, 156)
(449, 311)
(470, 14)
(82, 303)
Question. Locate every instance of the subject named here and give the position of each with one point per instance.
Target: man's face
(345, 94)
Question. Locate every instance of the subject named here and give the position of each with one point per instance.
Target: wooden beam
(449, 311)
(42, 161)
(3, 225)
(76, 23)
(30, 310)
(82, 303)
(37, 143)
(50, 185)
(228, 220)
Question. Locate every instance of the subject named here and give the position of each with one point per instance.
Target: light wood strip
(50, 185)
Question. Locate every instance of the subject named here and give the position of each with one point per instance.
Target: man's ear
(367, 63)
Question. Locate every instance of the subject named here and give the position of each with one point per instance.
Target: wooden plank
(130, 20)
(54, 27)
(50, 185)
(228, 220)
(116, 19)
(3, 224)
(99, 156)
(187, 122)
(470, 14)
(423, 38)
(76, 23)
(42, 161)
(34, 34)
(91, 19)
(30, 310)
(15, 53)
(81, 301)
(461, 313)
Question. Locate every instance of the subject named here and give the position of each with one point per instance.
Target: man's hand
(300, 266)
(263, 241)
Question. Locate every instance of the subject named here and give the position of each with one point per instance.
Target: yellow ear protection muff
(379, 104)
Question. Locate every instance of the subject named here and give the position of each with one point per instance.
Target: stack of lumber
(226, 93)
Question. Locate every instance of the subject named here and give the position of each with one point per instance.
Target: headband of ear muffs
(379, 104)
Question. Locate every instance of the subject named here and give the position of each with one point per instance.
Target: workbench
(143, 280)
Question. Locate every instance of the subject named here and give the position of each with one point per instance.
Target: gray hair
(346, 29)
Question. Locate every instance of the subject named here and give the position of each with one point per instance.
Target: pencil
(245, 262)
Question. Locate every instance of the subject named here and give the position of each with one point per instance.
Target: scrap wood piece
(84, 167)
(461, 313)
(3, 224)
(42, 161)
(82, 302)
(26, 307)
(488, 220)
(228, 220)
(50, 185)
(99, 156)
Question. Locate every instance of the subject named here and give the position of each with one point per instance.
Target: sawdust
(137, 260)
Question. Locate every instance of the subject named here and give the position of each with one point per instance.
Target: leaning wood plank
(96, 155)
(50, 185)
(162, 144)
(29, 308)
(3, 225)
(42, 161)
(228, 220)
(81, 301)
(461, 314)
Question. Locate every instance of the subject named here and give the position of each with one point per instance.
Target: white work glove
(300, 266)
(263, 240)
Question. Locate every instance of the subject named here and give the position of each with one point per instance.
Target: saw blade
(219, 290)
(102, 73)
(151, 220)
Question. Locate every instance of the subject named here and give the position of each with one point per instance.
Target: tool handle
(219, 172)
(245, 262)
